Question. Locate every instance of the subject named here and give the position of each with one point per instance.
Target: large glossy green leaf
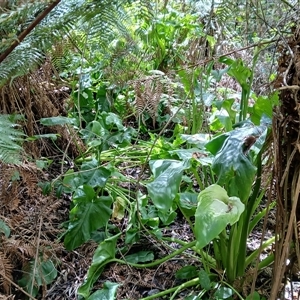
(108, 292)
(164, 187)
(90, 213)
(202, 156)
(214, 212)
(223, 292)
(199, 139)
(72, 181)
(238, 71)
(105, 252)
(235, 155)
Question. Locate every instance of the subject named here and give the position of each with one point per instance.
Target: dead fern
(22, 206)
(6, 269)
(148, 94)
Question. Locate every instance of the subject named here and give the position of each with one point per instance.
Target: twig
(37, 252)
(232, 52)
(17, 286)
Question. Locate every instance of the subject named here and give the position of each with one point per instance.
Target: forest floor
(36, 222)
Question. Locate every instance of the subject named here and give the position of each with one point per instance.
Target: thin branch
(17, 286)
(232, 52)
(21, 37)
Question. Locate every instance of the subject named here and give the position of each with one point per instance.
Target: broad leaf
(235, 156)
(72, 181)
(254, 296)
(224, 292)
(108, 292)
(214, 212)
(204, 280)
(139, 257)
(187, 272)
(36, 275)
(188, 203)
(103, 254)
(199, 139)
(238, 71)
(90, 174)
(94, 175)
(57, 121)
(90, 213)
(263, 106)
(163, 189)
(202, 156)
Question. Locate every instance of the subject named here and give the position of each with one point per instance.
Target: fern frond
(10, 140)
(6, 269)
(95, 19)
(149, 91)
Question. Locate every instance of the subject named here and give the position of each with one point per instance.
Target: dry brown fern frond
(148, 94)
(18, 250)
(35, 96)
(6, 269)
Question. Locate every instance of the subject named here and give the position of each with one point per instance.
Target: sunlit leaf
(57, 121)
(94, 175)
(224, 292)
(188, 203)
(235, 155)
(214, 212)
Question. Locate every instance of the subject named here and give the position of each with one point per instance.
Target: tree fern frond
(97, 19)
(10, 140)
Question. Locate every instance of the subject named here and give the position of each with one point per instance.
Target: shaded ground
(35, 222)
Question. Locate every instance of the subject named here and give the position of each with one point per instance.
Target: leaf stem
(175, 289)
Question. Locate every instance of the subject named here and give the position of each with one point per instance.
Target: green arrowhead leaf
(103, 254)
(163, 189)
(90, 213)
(234, 161)
(214, 212)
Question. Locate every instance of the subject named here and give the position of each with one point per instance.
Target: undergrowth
(165, 138)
